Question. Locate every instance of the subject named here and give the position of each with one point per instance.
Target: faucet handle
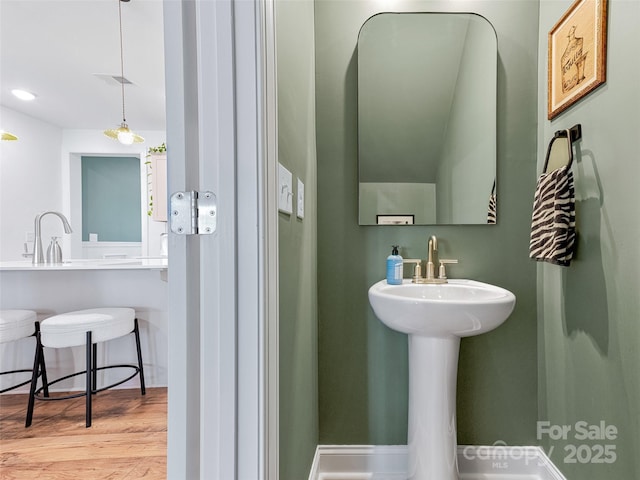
(442, 273)
(411, 260)
(27, 253)
(417, 270)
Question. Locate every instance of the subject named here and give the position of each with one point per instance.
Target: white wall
(38, 173)
(30, 180)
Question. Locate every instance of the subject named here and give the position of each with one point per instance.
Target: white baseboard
(368, 462)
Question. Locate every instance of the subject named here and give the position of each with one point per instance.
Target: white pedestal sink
(435, 317)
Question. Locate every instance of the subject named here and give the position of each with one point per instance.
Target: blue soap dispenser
(394, 267)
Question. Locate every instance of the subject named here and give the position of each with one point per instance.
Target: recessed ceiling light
(23, 94)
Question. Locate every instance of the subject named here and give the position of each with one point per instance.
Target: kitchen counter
(142, 263)
(138, 283)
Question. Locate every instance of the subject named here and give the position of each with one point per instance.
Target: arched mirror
(427, 85)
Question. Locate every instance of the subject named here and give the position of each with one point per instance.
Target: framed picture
(394, 219)
(577, 54)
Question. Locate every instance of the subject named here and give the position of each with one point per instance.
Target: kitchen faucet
(38, 255)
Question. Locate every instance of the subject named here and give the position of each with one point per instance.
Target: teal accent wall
(298, 339)
(589, 313)
(362, 364)
(111, 198)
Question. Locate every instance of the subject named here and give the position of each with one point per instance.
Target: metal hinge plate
(193, 213)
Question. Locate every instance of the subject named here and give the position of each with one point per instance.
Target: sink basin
(461, 307)
(435, 317)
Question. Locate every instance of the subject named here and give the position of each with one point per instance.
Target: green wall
(462, 196)
(387, 198)
(589, 313)
(297, 241)
(362, 364)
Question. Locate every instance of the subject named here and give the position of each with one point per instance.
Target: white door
(218, 295)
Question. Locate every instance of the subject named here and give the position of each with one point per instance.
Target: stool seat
(69, 329)
(16, 324)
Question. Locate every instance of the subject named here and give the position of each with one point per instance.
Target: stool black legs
(94, 377)
(143, 390)
(37, 362)
(43, 368)
(42, 371)
(91, 380)
(90, 373)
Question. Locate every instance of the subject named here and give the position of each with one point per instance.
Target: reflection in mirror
(427, 85)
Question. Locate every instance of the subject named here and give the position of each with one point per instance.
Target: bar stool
(15, 325)
(88, 328)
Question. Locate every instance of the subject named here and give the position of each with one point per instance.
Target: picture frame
(395, 219)
(577, 51)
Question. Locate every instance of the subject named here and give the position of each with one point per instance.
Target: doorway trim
(270, 197)
(223, 309)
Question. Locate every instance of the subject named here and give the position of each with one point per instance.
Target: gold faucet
(430, 274)
(431, 269)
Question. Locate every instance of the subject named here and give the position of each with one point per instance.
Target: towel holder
(557, 156)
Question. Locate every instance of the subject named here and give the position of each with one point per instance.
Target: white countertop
(140, 263)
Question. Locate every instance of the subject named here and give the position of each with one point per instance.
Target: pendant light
(7, 135)
(123, 134)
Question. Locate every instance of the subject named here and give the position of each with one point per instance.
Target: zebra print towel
(491, 211)
(553, 221)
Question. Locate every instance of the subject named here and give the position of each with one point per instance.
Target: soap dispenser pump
(54, 252)
(394, 267)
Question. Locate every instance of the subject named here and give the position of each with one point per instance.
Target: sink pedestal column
(433, 367)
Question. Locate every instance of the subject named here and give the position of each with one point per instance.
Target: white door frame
(222, 421)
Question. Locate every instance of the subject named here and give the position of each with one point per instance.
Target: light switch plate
(300, 203)
(285, 190)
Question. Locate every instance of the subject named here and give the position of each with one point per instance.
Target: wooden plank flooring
(127, 441)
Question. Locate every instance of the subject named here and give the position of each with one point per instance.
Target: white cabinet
(158, 184)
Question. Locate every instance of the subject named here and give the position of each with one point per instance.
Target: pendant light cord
(124, 120)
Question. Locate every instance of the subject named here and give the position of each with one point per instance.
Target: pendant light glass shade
(123, 133)
(8, 136)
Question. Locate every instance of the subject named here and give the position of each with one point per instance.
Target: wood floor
(128, 438)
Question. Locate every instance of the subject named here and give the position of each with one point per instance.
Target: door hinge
(193, 213)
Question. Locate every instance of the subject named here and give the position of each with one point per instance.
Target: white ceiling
(53, 48)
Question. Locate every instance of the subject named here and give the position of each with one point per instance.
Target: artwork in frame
(577, 54)
(395, 219)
